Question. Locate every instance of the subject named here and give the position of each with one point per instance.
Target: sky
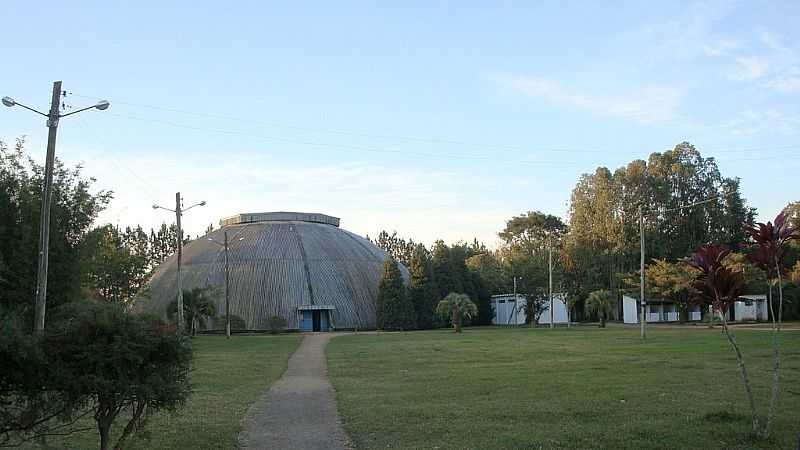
(439, 120)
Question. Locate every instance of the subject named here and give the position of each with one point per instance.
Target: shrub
(276, 324)
(99, 361)
(457, 307)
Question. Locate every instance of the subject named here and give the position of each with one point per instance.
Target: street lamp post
(179, 210)
(224, 245)
(44, 223)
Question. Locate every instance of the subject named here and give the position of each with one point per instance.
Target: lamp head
(8, 101)
(102, 105)
(203, 203)
(155, 206)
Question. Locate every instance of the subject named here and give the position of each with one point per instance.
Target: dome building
(299, 266)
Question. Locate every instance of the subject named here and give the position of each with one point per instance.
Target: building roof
(279, 264)
(284, 216)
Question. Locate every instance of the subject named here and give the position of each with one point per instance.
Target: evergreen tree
(422, 290)
(395, 311)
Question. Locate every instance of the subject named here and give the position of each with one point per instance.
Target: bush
(276, 324)
(97, 360)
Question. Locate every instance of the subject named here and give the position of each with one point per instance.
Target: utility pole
(516, 308)
(179, 281)
(44, 227)
(179, 210)
(643, 302)
(550, 276)
(227, 290)
(47, 193)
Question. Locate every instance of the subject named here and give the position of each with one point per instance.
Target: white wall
(559, 311)
(630, 313)
(507, 311)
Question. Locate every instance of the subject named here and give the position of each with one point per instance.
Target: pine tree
(422, 290)
(395, 311)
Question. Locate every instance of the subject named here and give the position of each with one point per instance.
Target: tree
(117, 265)
(422, 290)
(671, 281)
(536, 305)
(601, 302)
(719, 287)
(603, 238)
(457, 307)
(771, 241)
(489, 266)
(792, 212)
(75, 206)
(198, 307)
(397, 247)
(395, 311)
(138, 366)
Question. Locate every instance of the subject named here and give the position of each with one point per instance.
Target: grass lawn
(228, 376)
(582, 388)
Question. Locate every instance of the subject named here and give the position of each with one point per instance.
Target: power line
(387, 150)
(407, 138)
(344, 146)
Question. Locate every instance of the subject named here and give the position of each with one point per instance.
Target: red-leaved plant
(719, 287)
(771, 240)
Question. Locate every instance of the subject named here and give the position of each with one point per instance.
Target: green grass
(227, 376)
(583, 388)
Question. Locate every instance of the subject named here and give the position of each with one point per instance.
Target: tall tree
(422, 290)
(395, 311)
(75, 207)
(603, 238)
(116, 265)
(399, 248)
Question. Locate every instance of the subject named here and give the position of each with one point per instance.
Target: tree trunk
(104, 427)
(135, 417)
(776, 356)
(743, 371)
(602, 320)
(457, 321)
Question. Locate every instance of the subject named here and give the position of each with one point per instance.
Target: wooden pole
(44, 222)
(550, 271)
(179, 282)
(227, 290)
(642, 300)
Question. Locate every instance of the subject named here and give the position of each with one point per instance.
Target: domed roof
(279, 264)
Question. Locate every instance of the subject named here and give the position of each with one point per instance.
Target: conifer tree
(395, 311)
(422, 290)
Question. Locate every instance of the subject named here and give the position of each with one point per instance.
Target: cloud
(749, 68)
(721, 47)
(648, 105)
(787, 83)
(750, 122)
(424, 203)
(768, 62)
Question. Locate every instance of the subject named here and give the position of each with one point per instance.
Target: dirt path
(299, 410)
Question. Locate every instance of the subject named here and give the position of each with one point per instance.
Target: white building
(511, 311)
(747, 308)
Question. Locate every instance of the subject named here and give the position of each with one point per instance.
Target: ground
(227, 376)
(579, 388)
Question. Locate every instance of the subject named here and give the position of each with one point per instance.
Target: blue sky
(439, 120)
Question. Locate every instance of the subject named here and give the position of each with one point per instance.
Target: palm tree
(198, 307)
(601, 303)
(457, 307)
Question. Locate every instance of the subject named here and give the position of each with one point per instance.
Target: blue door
(306, 323)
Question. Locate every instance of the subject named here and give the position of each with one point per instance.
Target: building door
(316, 320)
